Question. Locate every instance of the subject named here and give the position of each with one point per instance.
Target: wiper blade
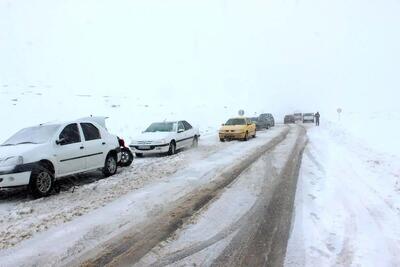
(22, 143)
(7, 144)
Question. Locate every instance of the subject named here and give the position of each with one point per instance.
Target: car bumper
(232, 135)
(15, 179)
(151, 149)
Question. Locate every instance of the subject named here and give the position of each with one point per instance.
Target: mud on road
(261, 235)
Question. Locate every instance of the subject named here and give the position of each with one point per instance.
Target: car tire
(222, 140)
(110, 165)
(172, 148)
(255, 134)
(139, 155)
(41, 182)
(195, 142)
(246, 137)
(126, 157)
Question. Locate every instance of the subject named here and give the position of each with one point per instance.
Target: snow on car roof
(98, 119)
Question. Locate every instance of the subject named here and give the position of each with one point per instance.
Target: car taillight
(121, 142)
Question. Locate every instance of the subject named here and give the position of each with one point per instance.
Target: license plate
(144, 147)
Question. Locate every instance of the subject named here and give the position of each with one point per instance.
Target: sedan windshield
(161, 127)
(32, 135)
(236, 122)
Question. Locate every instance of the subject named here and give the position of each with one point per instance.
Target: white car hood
(17, 150)
(156, 136)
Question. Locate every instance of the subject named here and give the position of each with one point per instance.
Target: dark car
(298, 116)
(308, 117)
(289, 119)
(268, 119)
(260, 124)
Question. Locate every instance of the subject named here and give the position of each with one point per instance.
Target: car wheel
(41, 182)
(255, 134)
(139, 155)
(246, 137)
(126, 157)
(172, 148)
(110, 166)
(222, 139)
(195, 142)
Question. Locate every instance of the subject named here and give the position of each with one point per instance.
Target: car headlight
(162, 141)
(10, 162)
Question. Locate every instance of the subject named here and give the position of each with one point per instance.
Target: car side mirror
(223, 124)
(181, 130)
(61, 141)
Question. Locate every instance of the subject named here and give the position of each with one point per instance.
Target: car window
(181, 126)
(34, 135)
(70, 134)
(161, 127)
(90, 131)
(236, 122)
(187, 125)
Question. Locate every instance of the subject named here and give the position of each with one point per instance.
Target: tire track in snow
(135, 243)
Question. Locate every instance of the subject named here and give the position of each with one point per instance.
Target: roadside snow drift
(348, 201)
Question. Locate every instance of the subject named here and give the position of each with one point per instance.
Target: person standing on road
(317, 118)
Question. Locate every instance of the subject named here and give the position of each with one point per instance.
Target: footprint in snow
(312, 196)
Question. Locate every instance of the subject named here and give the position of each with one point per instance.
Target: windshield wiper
(7, 145)
(22, 143)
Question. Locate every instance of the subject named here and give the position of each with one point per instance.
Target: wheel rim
(111, 165)
(43, 182)
(124, 157)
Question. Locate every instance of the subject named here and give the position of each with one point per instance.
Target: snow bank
(348, 198)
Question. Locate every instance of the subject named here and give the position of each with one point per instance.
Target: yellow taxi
(240, 128)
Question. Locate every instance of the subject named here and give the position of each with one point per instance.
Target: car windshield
(236, 122)
(32, 135)
(161, 127)
(308, 114)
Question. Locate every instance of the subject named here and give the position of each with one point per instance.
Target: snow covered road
(246, 224)
(347, 205)
(136, 197)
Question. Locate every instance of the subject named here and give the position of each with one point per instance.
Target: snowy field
(348, 198)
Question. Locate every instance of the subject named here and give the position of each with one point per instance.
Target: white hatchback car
(165, 137)
(38, 155)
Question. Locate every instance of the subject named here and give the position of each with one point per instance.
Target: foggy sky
(283, 55)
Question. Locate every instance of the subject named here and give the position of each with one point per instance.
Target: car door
(181, 135)
(189, 133)
(94, 146)
(250, 127)
(69, 150)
